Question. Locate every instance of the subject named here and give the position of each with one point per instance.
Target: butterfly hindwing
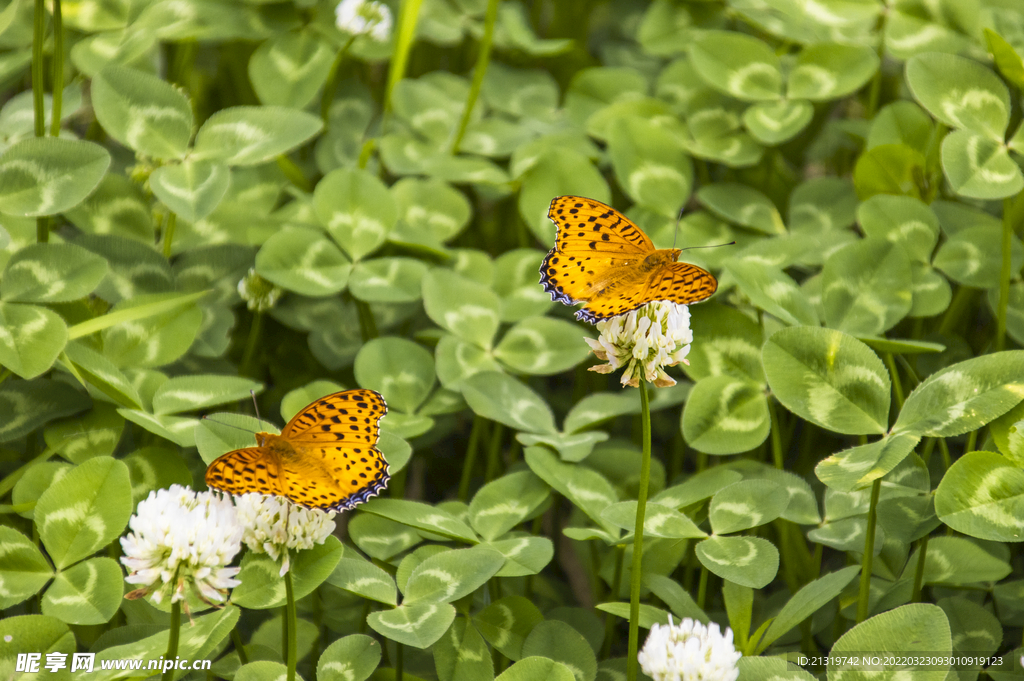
(253, 469)
(345, 476)
(680, 282)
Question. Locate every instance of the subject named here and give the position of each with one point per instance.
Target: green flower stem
(947, 461)
(172, 222)
(399, 662)
(408, 16)
(972, 441)
(894, 374)
(869, 553)
(471, 449)
(251, 343)
(776, 436)
(331, 86)
(919, 570)
(292, 626)
(294, 173)
(172, 639)
(638, 535)
(609, 619)
(494, 453)
(367, 324)
(38, 37)
(236, 640)
(482, 59)
(1004, 276)
(955, 312)
(58, 69)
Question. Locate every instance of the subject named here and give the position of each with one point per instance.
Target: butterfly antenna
(675, 233)
(690, 248)
(221, 423)
(255, 406)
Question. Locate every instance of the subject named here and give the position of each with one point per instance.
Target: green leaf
(451, 575)
(859, 466)
(965, 396)
(191, 189)
(823, 204)
(248, 135)
(304, 261)
(524, 554)
(357, 209)
(462, 654)
(915, 628)
(24, 567)
(698, 487)
(1007, 60)
(196, 392)
(506, 622)
(154, 340)
(537, 667)
(430, 211)
(828, 378)
(51, 273)
(725, 415)
(585, 488)
(501, 398)
(142, 112)
(400, 370)
(420, 516)
(650, 164)
(262, 586)
(729, 343)
(773, 123)
(84, 510)
(746, 504)
(387, 280)
(674, 596)
(462, 307)
(982, 495)
(542, 346)
(27, 405)
(747, 561)
(349, 658)
(380, 537)
(830, 71)
(457, 360)
(961, 93)
(558, 641)
(890, 169)
(502, 504)
(902, 220)
(42, 635)
(515, 282)
(49, 175)
(973, 256)
(102, 375)
(957, 560)
(978, 167)
(87, 593)
(772, 290)
(866, 287)
(419, 625)
(742, 205)
(659, 521)
(847, 534)
(557, 171)
(31, 338)
(289, 68)
(738, 65)
(153, 468)
(363, 578)
(807, 601)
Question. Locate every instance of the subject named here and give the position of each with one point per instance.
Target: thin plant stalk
(367, 324)
(482, 59)
(292, 626)
(919, 570)
(776, 436)
(702, 587)
(236, 640)
(172, 639)
(251, 343)
(638, 535)
(172, 222)
(869, 553)
(471, 449)
(38, 101)
(331, 86)
(407, 19)
(58, 69)
(1004, 276)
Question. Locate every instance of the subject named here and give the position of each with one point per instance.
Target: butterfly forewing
(588, 227)
(350, 416)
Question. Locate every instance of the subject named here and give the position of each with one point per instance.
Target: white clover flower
(364, 17)
(258, 293)
(647, 340)
(273, 525)
(182, 539)
(689, 651)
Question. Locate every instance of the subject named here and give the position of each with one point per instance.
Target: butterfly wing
(680, 282)
(253, 469)
(596, 248)
(337, 464)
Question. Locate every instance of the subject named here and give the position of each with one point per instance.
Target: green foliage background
(838, 469)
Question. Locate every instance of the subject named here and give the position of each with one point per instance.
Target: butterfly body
(602, 259)
(325, 458)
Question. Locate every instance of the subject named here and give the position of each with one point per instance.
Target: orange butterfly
(325, 458)
(602, 259)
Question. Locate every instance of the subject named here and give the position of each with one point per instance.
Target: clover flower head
(273, 525)
(364, 17)
(182, 539)
(644, 342)
(258, 293)
(689, 651)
